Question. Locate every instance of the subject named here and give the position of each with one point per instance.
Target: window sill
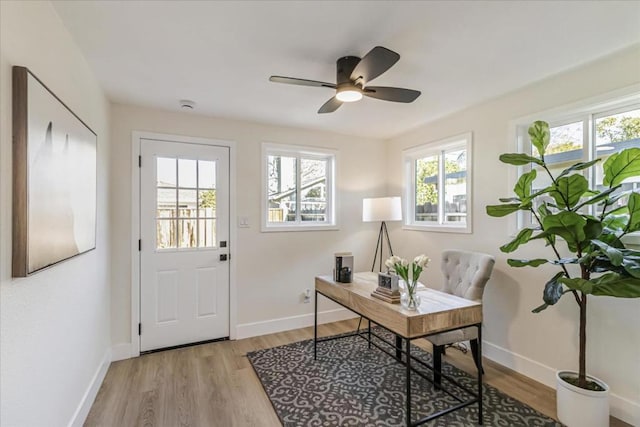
(439, 228)
(288, 228)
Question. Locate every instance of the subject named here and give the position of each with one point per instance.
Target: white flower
(404, 262)
(422, 260)
(392, 261)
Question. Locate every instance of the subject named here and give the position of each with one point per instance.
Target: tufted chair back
(466, 273)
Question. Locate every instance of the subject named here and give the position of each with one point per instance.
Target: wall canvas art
(54, 178)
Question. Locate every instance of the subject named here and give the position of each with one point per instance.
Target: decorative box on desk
(387, 289)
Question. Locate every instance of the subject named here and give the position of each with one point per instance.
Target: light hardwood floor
(215, 385)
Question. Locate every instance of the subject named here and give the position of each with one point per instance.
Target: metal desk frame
(477, 397)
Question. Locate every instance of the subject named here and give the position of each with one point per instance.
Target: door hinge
(139, 161)
(139, 328)
(139, 245)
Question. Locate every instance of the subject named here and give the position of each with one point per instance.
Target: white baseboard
(121, 352)
(80, 415)
(621, 408)
(255, 329)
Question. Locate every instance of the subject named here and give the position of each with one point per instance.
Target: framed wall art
(54, 178)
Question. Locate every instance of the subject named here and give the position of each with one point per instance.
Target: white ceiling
(221, 54)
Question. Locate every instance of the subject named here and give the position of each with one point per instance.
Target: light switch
(243, 222)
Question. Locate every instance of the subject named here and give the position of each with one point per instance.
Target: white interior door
(184, 230)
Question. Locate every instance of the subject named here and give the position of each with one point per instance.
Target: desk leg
(399, 348)
(480, 374)
(408, 374)
(369, 331)
(315, 327)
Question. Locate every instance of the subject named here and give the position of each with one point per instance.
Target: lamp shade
(382, 209)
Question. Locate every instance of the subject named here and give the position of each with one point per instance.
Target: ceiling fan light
(349, 95)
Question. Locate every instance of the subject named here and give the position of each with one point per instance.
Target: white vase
(578, 407)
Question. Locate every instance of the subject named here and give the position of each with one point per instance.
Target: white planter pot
(578, 407)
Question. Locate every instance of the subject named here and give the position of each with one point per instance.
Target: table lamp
(381, 209)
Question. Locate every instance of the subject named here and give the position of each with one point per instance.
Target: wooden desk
(438, 312)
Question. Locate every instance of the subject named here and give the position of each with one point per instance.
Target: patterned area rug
(352, 385)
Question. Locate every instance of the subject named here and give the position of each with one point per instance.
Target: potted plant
(599, 264)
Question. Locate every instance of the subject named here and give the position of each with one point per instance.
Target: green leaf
(527, 262)
(519, 159)
(523, 186)
(569, 189)
(620, 166)
(502, 210)
(632, 266)
(522, 238)
(592, 229)
(614, 255)
(578, 167)
(598, 197)
(540, 136)
(577, 284)
(563, 261)
(634, 213)
(553, 290)
(568, 225)
(615, 285)
(509, 199)
(615, 223)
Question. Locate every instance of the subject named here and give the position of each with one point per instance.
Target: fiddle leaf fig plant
(599, 264)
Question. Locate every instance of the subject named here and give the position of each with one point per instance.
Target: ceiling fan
(352, 77)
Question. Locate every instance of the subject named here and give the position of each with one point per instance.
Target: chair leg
(437, 365)
(474, 352)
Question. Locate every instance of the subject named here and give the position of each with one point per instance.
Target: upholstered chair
(465, 275)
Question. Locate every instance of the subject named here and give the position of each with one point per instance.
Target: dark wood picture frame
(54, 178)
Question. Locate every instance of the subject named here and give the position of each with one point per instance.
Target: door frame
(136, 140)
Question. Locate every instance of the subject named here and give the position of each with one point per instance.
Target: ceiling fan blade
(330, 106)
(300, 82)
(377, 61)
(395, 94)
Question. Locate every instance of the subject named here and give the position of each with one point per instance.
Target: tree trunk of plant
(582, 370)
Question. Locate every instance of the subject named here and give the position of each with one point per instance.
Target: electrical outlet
(307, 296)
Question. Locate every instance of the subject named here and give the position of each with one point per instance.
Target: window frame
(299, 152)
(437, 148)
(586, 111)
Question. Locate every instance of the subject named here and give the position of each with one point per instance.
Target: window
(298, 188)
(595, 130)
(438, 185)
(186, 203)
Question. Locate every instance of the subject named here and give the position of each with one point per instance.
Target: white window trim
(435, 148)
(269, 148)
(596, 106)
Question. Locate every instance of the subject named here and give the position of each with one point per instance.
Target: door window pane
(206, 233)
(206, 174)
(207, 203)
(165, 234)
(165, 172)
(187, 173)
(187, 233)
(166, 202)
(455, 186)
(187, 203)
(426, 196)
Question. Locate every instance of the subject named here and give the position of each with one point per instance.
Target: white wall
(535, 344)
(273, 269)
(54, 326)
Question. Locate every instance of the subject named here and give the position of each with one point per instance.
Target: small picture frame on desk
(388, 289)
